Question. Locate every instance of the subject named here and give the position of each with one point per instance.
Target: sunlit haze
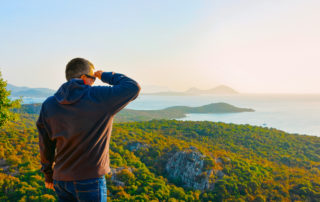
(252, 46)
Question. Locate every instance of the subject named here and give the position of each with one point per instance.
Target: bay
(292, 113)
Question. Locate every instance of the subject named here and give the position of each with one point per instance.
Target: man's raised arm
(117, 96)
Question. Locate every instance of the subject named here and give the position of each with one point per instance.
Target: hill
(170, 160)
(222, 89)
(174, 112)
(17, 91)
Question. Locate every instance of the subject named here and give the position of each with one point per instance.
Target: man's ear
(83, 77)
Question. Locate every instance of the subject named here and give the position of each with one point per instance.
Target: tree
(6, 104)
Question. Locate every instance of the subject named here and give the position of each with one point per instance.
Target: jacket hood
(71, 91)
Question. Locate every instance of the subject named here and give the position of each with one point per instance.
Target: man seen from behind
(75, 127)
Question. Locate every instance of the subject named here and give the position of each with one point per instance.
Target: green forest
(232, 162)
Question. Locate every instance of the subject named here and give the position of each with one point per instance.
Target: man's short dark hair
(77, 67)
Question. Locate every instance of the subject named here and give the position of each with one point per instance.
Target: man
(75, 127)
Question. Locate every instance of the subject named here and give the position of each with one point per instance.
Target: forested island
(175, 112)
(170, 160)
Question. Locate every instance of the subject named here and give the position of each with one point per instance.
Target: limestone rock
(188, 168)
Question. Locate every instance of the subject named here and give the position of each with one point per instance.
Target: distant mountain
(127, 115)
(153, 88)
(17, 91)
(222, 89)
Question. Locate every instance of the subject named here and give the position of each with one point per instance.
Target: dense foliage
(259, 164)
(6, 104)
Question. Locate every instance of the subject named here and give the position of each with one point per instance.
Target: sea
(292, 113)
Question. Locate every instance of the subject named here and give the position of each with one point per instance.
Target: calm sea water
(291, 113)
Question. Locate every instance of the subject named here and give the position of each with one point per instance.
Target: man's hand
(98, 74)
(49, 185)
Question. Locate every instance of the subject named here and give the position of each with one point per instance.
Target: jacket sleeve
(122, 91)
(47, 148)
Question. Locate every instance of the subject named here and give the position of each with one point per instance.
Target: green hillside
(170, 160)
(127, 115)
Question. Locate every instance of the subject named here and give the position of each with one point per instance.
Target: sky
(252, 46)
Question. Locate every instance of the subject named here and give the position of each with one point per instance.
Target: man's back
(77, 122)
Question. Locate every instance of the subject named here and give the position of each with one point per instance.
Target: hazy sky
(270, 46)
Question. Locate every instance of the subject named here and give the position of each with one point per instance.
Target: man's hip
(94, 189)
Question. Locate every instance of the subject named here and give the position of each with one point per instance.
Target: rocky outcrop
(5, 168)
(115, 175)
(190, 169)
(134, 146)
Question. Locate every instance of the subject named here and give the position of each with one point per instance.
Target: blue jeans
(94, 189)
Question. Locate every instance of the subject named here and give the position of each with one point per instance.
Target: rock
(223, 160)
(187, 167)
(220, 174)
(134, 146)
(218, 160)
(118, 183)
(115, 172)
(5, 168)
(193, 148)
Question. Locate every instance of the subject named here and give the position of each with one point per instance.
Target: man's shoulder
(49, 101)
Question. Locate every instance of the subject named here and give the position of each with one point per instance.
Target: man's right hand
(98, 74)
